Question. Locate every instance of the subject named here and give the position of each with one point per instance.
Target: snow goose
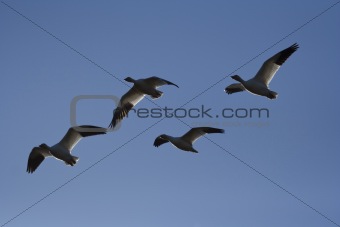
(185, 142)
(140, 88)
(62, 150)
(259, 84)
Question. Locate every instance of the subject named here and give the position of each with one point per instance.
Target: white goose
(259, 84)
(62, 150)
(185, 142)
(140, 88)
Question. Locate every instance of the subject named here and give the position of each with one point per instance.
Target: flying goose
(62, 150)
(185, 142)
(140, 88)
(259, 84)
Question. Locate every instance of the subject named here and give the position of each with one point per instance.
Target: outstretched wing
(159, 141)
(127, 102)
(157, 82)
(193, 134)
(233, 88)
(272, 65)
(74, 134)
(35, 158)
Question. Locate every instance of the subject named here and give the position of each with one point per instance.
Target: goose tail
(272, 95)
(74, 160)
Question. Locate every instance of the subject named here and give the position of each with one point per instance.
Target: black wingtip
(295, 46)
(112, 124)
(218, 130)
(170, 83)
(286, 53)
(155, 144)
(90, 130)
(30, 170)
(213, 130)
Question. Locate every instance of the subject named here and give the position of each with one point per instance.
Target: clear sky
(87, 47)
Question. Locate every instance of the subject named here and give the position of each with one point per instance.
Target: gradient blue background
(193, 44)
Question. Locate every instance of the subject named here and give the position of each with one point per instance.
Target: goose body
(186, 141)
(140, 88)
(62, 150)
(259, 84)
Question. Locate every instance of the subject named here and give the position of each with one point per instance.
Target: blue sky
(193, 44)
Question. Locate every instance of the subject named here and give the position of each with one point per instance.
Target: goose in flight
(62, 150)
(140, 88)
(259, 84)
(185, 142)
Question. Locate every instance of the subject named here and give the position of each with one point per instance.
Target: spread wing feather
(272, 65)
(193, 134)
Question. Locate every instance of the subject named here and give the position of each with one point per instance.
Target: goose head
(44, 146)
(237, 78)
(129, 79)
(164, 136)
